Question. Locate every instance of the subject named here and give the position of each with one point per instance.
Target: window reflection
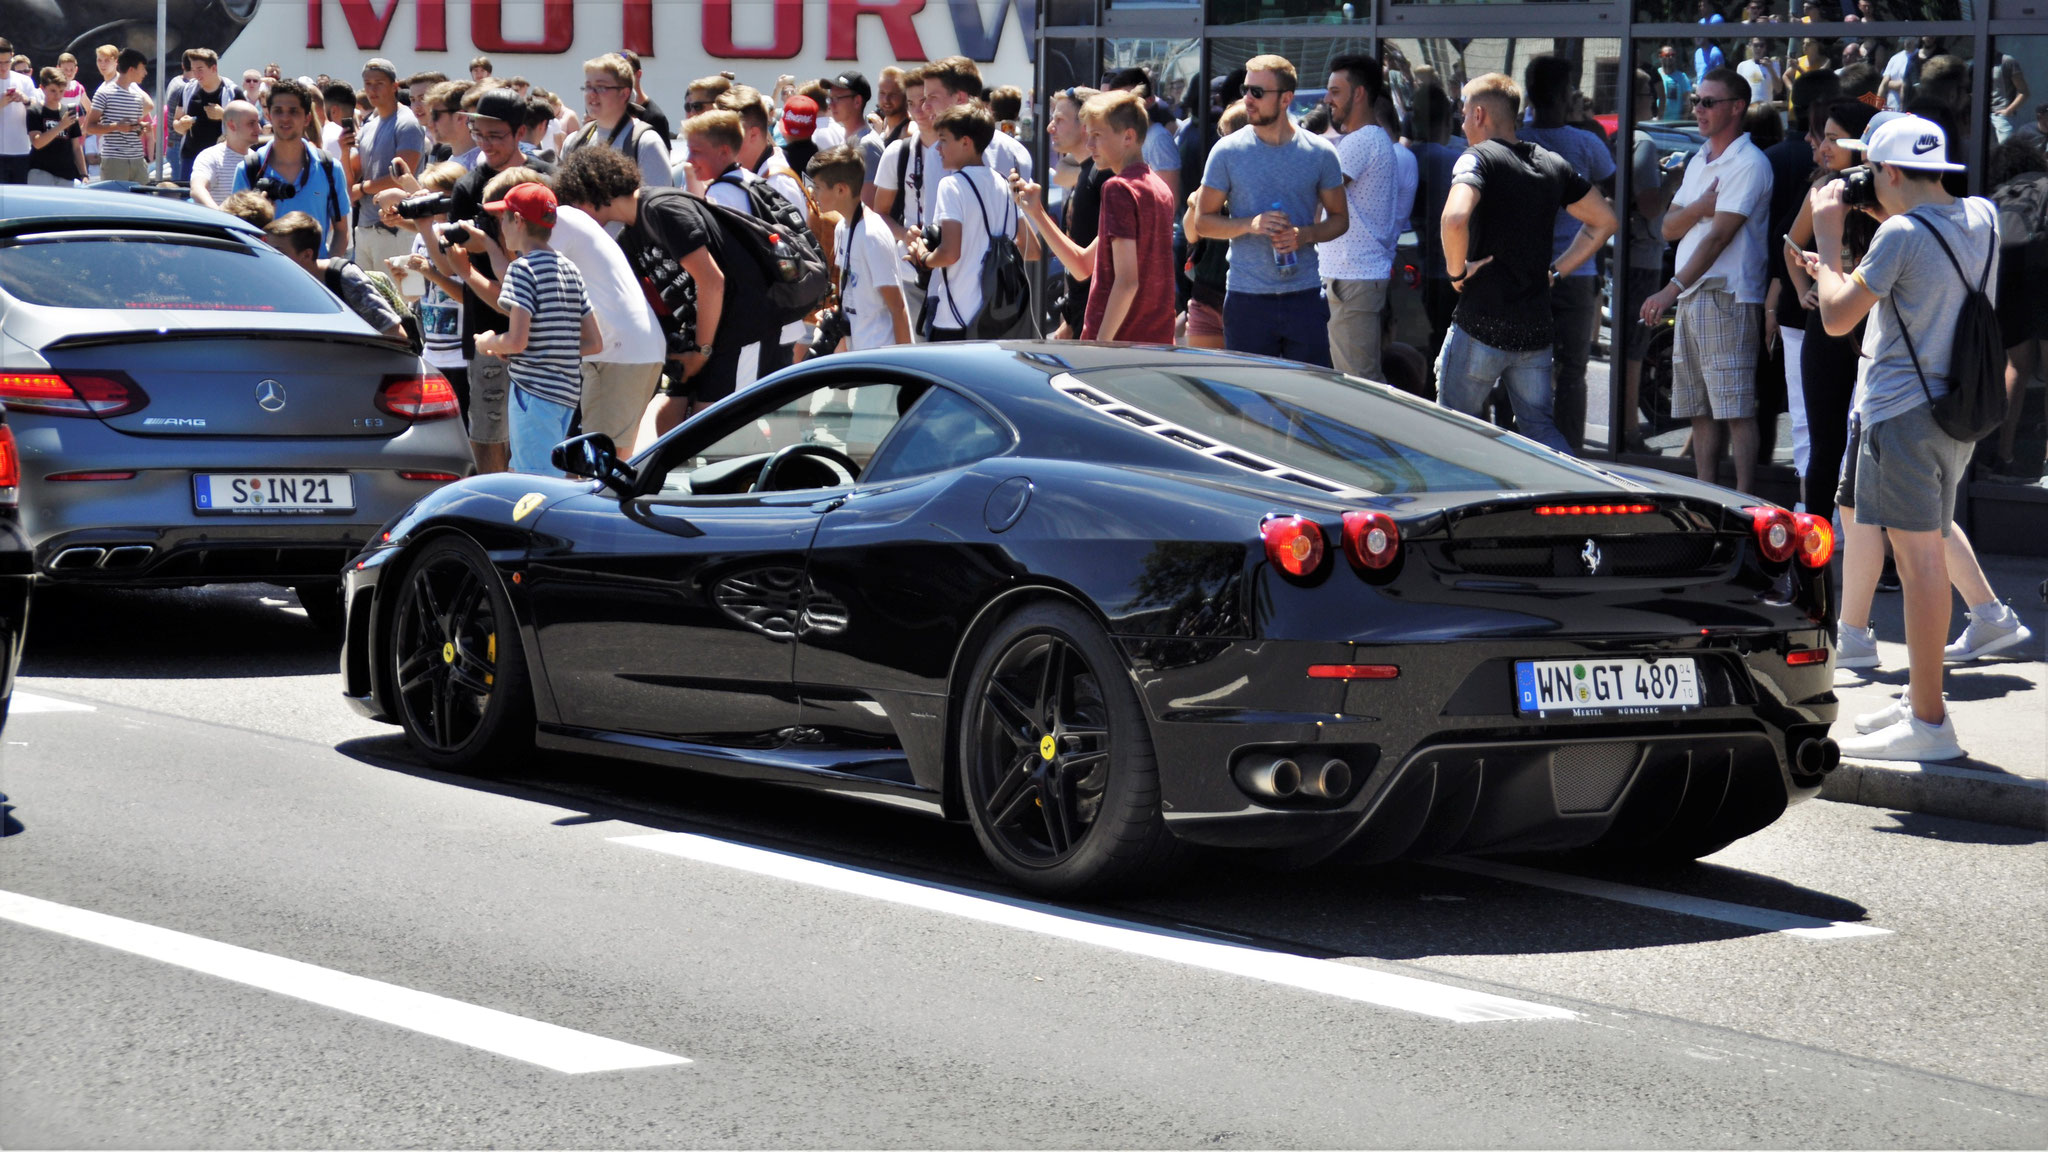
(2016, 177)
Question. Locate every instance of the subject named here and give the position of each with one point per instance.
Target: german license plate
(1625, 687)
(261, 493)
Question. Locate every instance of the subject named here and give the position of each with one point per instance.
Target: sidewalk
(2001, 713)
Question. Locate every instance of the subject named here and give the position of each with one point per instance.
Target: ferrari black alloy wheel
(1060, 779)
(458, 676)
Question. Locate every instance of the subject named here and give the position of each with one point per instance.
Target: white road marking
(30, 702)
(535, 1042)
(1347, 981)
(1767, 919)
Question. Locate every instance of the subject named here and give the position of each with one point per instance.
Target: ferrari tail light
(1816, 539)
(1293, 543)
(71, 393)
(1776, 535)
(1595, 509)
(1371, 539)
(418, 396)
(10, 468)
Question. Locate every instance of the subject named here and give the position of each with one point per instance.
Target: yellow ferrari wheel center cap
(448, 652)
(1046, 747)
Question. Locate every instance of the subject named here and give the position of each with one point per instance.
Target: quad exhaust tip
(73, 559)
(1817, 757)
(1270, 776)
(87, 557)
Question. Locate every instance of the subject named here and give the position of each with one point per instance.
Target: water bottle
(1284, 261)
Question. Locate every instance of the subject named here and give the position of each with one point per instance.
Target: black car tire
(458, 674)
(322, 601)
(1102, 831)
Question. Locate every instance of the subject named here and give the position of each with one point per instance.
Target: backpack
(252, 171)
(630, 148)
(1006, 311)
(1975, 403)
(2022, 204)
(407, 318)
(228, 95)
(781, 243)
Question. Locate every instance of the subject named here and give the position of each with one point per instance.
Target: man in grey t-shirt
(390, 133)
(1906, 468)
(1261, 191)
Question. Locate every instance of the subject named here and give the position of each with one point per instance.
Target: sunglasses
(1254, 92)
(1712, 102)
(600, 89)
(695, 106)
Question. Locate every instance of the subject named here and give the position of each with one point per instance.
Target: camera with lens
(933, 237)
(432, 204)
(455, 234)
(1859, 189)
(834, 325)
(273, 188)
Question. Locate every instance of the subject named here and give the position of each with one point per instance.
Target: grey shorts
(1713, 357)
(490, 383)
(1905, 472)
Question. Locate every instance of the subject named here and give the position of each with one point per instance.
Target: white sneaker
(1908, 739)
(1856, 647)
(1982, 637)
(1884, 717)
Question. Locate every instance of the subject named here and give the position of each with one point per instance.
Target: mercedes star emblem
(270, 396)
(1590, 556)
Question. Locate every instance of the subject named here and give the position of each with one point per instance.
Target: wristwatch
(702, 350)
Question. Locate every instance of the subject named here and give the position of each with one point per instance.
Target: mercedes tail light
(71, 393)
(1371, 539)
(1816, 539)
(10, 468)
(1293, 543)
(1776, 535)
(418, 396)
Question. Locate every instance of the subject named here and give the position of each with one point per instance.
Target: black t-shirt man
(1084, 220)
(674, 224)
(651, 115)
(1791, 161)
(58, 157)
(205, 131)
(466, 205)
(1523, 187)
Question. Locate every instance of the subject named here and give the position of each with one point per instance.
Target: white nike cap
(1905, 142)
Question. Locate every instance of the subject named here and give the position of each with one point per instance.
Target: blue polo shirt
(320, 192)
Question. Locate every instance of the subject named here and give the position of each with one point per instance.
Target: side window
(943, 431)
(852, 420)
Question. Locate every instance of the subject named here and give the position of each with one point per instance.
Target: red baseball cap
(799, 118)
(533, 203)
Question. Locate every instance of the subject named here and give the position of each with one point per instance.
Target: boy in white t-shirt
(973, 203)
(869, 296)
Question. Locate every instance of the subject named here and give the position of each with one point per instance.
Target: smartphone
(348, 123)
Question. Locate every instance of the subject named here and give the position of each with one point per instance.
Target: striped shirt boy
(121, 104)
(550, 290)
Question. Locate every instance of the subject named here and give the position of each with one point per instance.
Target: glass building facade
(1985, 62)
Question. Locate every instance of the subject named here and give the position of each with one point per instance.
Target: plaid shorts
(1713, 358)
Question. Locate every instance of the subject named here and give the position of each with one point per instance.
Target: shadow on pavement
(1967, 682)
(1957, 831)
(1392, 912)
(232, 631)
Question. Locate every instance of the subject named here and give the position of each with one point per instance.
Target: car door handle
(824, 506)
(643, 513)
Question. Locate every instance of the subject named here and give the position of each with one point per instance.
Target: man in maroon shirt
(1134, 244)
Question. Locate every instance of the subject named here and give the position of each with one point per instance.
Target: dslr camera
(1858, 187)
(431, 204)
(273, 188)
(833, 326)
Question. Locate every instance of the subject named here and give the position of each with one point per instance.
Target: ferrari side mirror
(592, 457)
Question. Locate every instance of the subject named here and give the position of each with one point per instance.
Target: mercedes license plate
(258, 493)
(1623, 687)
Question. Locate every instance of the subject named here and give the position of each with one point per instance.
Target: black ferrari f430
(1105, 602)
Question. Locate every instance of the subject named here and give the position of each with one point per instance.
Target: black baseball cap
(502, 104)
(853, 82)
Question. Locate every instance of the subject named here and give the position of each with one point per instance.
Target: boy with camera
(550, 328)
(871, 312)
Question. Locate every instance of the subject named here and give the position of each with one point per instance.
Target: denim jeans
(1293, 326)
(1467, 370)
(537, 426)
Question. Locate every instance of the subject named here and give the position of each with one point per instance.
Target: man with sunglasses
(1261, 191)
(608, 99)
(1718, 219)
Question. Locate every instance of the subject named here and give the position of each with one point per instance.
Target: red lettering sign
(842, 27)
(487, 27)
(370, 26)
(789, 32)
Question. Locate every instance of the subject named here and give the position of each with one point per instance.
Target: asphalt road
(412, 959)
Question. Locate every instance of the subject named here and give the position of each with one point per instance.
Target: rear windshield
(153, 273)
(1337, 428)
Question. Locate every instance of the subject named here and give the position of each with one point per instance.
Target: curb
(1941, 790)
